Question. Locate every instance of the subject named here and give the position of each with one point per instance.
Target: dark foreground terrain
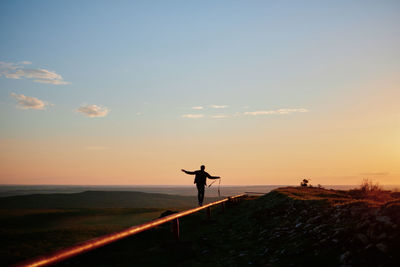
(287, 227)
(33, 225)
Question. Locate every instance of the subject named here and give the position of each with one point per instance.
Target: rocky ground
(340, 229)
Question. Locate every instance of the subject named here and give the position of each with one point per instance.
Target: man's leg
(200, 195)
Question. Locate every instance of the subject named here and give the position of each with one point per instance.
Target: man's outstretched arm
(213, 177)
(187, 172)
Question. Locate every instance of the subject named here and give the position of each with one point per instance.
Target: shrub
(371, 191)
(304, 183)
(368, 186)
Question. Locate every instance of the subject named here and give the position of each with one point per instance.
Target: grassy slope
(33, 225)
(97, 199)
(287, 227)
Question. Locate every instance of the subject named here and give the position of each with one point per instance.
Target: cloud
(375, 173)
(29, 102)
(96, 148)
(197, 107)
(93, 110)
(276, 112)
(219, 106)
(17, 71)
(219, 116)
(237, 114)
(192, 116)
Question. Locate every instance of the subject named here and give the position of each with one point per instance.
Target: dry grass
(315, 193)
(373, 192)
(368, 186)
(368, 192)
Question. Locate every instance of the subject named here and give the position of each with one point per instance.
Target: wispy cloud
(197, 107)
(375, 173)
(276, 112)
(220, 116)
(29, 102)
(219, 106)
(96, 148)
(17, 71)
(93, 110)
(192, 116)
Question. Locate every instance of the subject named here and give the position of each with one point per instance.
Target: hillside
(98, 199)
(32, 225)
(288, 227)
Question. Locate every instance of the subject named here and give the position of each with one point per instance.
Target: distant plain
(36, 224)
(183, 190)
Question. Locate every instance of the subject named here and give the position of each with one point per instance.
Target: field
(299, 226)
(290, 226)
(33, 225)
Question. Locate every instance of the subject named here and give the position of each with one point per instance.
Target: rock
(392, 209)
(362, 224)
(344, 256)
(354, 211)
(372, 232)
(308, 226)
(369, 247)
(384, 219)
(382, 247)
(319, 228)
(263, 231)
(374, 212)
(382, 236)
(314, 219)
(363, 238)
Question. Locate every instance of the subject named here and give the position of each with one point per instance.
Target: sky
(261, 92)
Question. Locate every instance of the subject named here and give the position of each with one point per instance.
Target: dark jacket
(201, 177)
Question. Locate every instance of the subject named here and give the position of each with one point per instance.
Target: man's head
(202, 167)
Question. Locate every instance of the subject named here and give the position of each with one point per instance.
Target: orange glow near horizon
(328, 154)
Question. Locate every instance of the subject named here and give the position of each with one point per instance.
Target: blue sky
(149, 62)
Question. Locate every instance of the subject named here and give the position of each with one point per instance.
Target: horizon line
(181, 185)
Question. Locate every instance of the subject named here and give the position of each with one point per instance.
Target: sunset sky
(261, 92)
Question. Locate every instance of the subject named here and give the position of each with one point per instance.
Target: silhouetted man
(201, 181)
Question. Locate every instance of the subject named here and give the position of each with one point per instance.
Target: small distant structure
(304, 183)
